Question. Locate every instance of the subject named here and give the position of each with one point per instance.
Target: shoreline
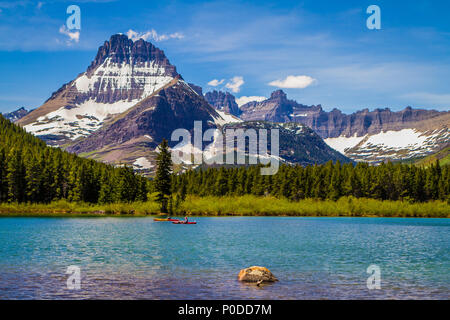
(243, 206)
(124, 216)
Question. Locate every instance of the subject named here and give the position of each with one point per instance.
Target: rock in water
(256, 274)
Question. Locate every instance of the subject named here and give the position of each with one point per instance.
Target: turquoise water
(137, 258)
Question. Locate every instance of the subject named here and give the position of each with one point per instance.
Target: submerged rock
(256, 274)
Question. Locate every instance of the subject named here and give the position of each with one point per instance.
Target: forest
(330, 181)
(33, 173)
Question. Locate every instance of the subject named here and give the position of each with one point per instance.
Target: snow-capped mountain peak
(123, 73)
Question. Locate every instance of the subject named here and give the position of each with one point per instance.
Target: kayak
(165, 219)
(182, 222)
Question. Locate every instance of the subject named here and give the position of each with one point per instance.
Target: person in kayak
(186, 219)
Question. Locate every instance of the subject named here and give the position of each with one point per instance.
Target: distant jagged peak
(16, 114)
(224, 101)
(122, 50)
(278, 94)
(218, 93)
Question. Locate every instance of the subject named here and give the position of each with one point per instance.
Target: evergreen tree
(33, 178)
(16, 177)
(106, 193)
(162, 180)
(221, 186)
(3, 175)
(334, 188)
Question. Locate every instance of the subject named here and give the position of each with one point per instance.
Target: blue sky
(321, 48)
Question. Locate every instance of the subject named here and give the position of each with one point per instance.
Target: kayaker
(186, 219)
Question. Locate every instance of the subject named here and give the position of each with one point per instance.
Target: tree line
(30, 171)
(388, 181)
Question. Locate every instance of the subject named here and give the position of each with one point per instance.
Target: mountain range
(131, 97)
(372, 136)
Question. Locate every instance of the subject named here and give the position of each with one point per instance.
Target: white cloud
(245, 99)
(235, 84)
(153, 35)
(39, 5)
(73, 36)
(215, 82)
(290, 82)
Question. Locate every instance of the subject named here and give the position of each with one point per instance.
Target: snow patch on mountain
(406, 138)
(148, 76)
(225, 118)
(142, 163)
(109, 78)
(244, 99)
(342, 143)
(393, 145)
(77, 121)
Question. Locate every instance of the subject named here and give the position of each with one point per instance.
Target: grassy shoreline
(238, 206)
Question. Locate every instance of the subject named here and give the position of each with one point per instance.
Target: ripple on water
(314, 258)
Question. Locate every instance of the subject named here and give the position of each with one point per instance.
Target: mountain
(298, 143)
(277, 108)
(131, 97)
(372, 136)
(133, 136)
(122, 74)
(224, 101)
(16, 115)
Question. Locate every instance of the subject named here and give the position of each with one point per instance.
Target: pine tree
(33, 178)
(334, 188)
(74, 185)
(3, 175)
(418, 190)
(16, 177)
(106, 193)
(163, 176)
(241, 180)
(221, 187)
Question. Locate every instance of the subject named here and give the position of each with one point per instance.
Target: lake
(137, 258)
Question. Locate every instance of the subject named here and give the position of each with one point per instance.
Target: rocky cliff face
(277, 108)
(365, 135)
(197, 89)
(224, 101)
(120, 50)
(122, 74)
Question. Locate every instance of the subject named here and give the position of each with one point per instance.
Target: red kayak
(182, 222)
